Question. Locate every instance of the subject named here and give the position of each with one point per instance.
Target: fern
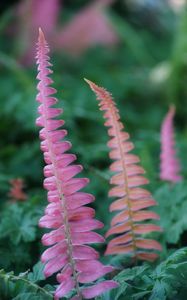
(169, 164)
(72, 222)
(19, 236)
(132, 199)
(24, 286)
(166, 281)
(16, 192)
(175, 208)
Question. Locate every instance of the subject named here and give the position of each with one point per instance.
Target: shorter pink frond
(169, 163)
(133, 200)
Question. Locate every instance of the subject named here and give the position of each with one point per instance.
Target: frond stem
(117, 130)
(28, 282)
(63, 202)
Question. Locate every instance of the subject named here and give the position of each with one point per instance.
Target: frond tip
(72, 222)
(132, 199)
(169, 163)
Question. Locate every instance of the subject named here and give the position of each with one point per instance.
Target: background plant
(146, 72)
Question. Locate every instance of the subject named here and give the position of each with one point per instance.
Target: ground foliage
(145, 72)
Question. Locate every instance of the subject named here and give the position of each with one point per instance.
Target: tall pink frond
(132, 199)
(169, 164)
(70, 220)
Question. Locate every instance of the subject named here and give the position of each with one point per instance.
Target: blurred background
(137, 49)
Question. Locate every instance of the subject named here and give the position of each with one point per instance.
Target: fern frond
(169, 163)
(132, 199)
(94, 27)
(70, 220)
(16, 192)
(19, 286)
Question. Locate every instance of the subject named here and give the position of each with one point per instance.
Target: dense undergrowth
(145, 72)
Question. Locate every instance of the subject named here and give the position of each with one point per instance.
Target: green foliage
(25, 286)
(172, 200)
(178, 76)
(145, 71)
(19, 233)
(166, 281)
(22, 226)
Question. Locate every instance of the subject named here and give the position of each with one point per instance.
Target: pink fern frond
(132, 199)
(169, 164)
(94, 26)
(16, 192)
(66, 214)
